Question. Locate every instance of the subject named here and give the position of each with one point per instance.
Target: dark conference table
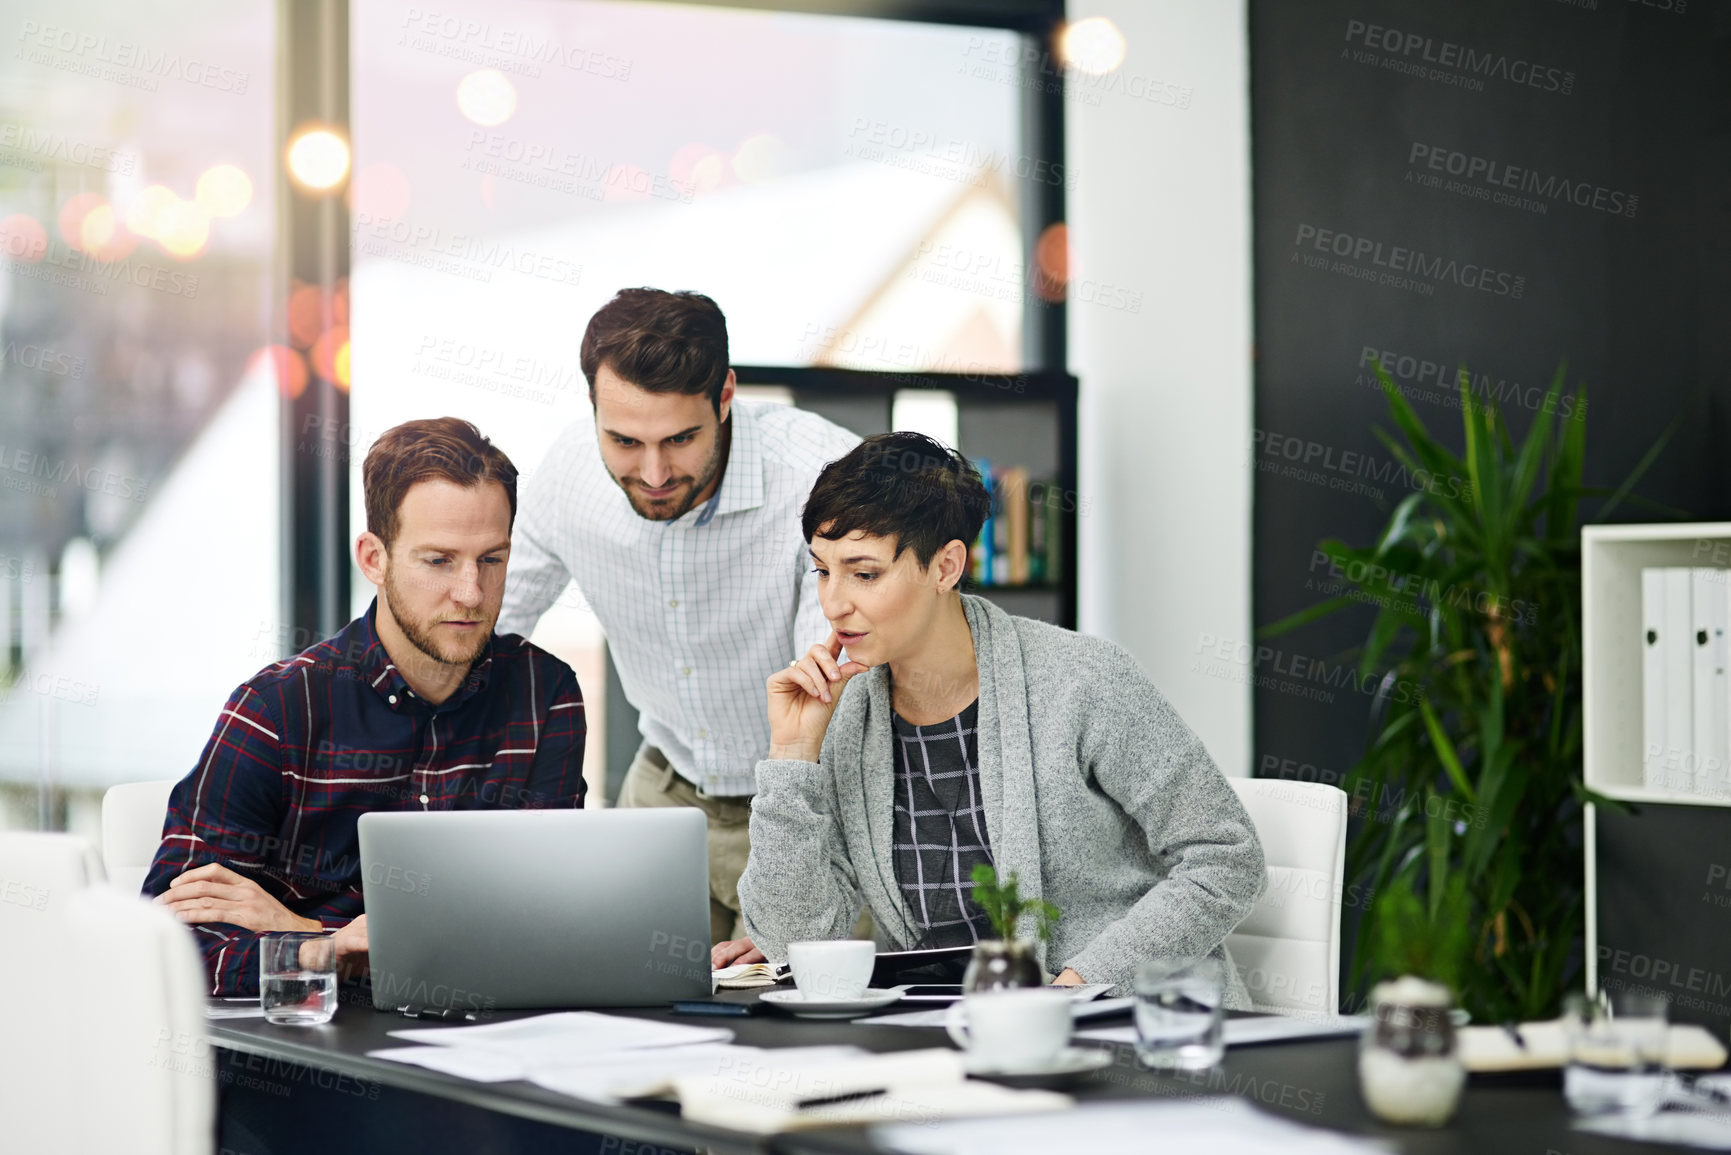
(292, 1089)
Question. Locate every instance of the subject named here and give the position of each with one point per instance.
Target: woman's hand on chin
(802, 698)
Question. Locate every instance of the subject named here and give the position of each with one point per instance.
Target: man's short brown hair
(660, 342)
(432, 449)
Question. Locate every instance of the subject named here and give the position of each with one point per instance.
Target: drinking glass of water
(1179, 1013)
(1616, 1053)
(297, 978)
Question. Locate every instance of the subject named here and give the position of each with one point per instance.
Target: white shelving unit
(1612, 558)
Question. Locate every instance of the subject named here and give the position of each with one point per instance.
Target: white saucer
(1069, 1061)
(805, 1008)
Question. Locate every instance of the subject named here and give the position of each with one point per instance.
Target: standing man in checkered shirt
(676, 509)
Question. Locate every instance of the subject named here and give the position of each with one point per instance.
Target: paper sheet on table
(1085, 1008)
(770, 1094)
(651, 1071)
(1223, 1126)
(463, 1062)
(566, 1037)
(1260, 1029)
(1684, 1128)
(1688, 1047)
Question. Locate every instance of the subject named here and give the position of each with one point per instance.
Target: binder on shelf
(1677, 652)
(1708, 608)
(1015, 501)
(1653, 629)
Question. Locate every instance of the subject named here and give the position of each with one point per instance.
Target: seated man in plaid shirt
(415, 705)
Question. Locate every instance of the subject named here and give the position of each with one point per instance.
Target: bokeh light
(318, 159)
(104, 236)
(700, 167)
(22, 238)
(149, 209)
(224, 190)
(1052, 262)
(761, 157)
(486, 97)
(72, 215)
(184, 230)
(323, 355)
(306, 315)
(285, 365)
(340, 367)
(1092, 45)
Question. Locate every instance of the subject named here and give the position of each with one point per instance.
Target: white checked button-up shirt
(698, 611)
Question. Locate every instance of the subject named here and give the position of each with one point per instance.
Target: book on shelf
(1021, 541)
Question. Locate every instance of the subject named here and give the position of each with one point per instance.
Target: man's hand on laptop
(214, 893)
(740, 950)
(351, 944)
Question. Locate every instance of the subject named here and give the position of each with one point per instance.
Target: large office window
(846, 189)
(138, 477)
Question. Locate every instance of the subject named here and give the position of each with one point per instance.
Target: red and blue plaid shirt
(309, 744)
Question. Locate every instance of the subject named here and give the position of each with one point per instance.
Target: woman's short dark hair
(901, 485)
(660, 342)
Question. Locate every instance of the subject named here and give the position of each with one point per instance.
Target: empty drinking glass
(1616, 1053)
(1179, 1013)
(297, 978)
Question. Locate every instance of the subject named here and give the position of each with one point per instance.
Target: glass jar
(999, 965)
(1409, 1066)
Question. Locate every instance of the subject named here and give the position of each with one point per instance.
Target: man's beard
(679, 504)
(420, 632)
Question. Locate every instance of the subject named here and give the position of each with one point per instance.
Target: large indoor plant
(1474, 771)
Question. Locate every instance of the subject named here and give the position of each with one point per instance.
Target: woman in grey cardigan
(961, 734)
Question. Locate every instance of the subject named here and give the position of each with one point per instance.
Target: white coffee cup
(1013, 1029)
(838, 970)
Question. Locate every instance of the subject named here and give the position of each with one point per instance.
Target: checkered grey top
(940, 828)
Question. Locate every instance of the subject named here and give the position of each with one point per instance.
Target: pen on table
(1514, 1033)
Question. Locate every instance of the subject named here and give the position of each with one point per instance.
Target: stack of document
(1255, 1029)
(745, 976)
(605, 1058)
(1545, 1045)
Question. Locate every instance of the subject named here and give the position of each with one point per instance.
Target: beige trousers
(651, 782)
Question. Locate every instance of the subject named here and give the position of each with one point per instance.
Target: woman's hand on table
(740, 950)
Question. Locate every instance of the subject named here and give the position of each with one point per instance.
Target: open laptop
(478, 910)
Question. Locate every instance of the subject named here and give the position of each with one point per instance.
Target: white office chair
(111, 1051)
(132, 817)
(39, 872)
(1287, 949)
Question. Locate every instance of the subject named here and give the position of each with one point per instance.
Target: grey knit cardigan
(1097, 796)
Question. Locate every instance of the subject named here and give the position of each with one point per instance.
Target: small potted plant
(1006, 961)
(1409, 1065)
